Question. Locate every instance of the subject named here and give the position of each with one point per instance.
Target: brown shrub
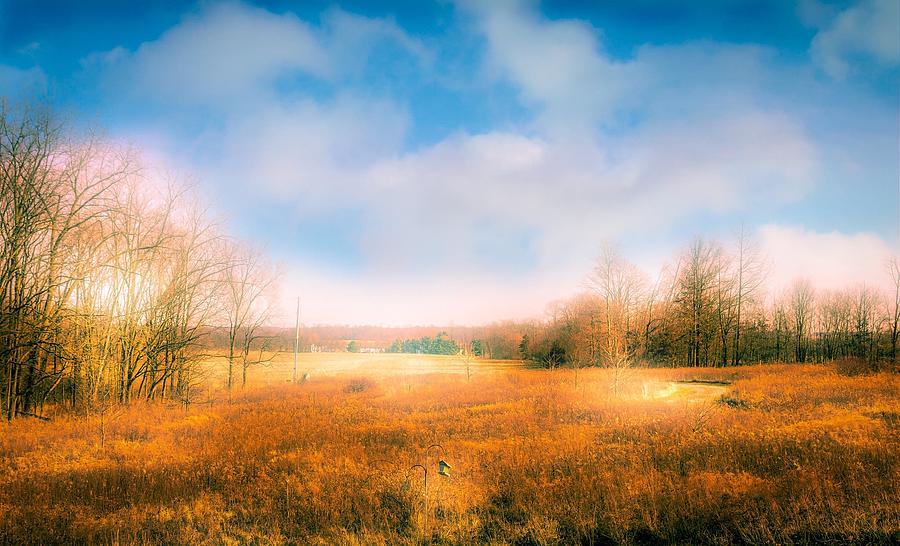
(359, 384)
(851, 367)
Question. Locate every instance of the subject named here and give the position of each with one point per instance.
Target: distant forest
(440, 344)
(708, 309)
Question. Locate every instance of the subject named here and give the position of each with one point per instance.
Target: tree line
(711, 309)
(109, 278)
(441, 344)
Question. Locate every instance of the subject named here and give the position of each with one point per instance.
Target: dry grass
(790, 455)
(280, 368)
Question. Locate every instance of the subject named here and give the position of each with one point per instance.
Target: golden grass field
(782, 455)
(281, 368)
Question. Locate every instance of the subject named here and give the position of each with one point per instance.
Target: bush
(358, 385)
(851, 367)
(732, 402)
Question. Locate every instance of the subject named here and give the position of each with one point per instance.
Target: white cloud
(18, 82)
(474, 195)
(554, 195)
(832, 260)
(350, 38)
(815, 13)
(721, 164)
(559, 66)
(870, 29)
(230, 53)
(104, 58)
(569, 197)
(309, 151)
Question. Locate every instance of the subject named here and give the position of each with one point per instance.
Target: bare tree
(658, 306)
(108, 280)
(585, 312)
(894, 317)
(781, 328)
(51, 189)
(620, 287)
(866, 322)
(248, 282)
(725, 305)
(802, 300)
(835, 312)
(750, 272)
(696, 289)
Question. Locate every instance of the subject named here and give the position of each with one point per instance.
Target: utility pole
(297, 339)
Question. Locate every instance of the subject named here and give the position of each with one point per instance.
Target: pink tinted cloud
(831, 260)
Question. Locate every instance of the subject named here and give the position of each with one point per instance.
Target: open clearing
(782, 455)
(280, 369)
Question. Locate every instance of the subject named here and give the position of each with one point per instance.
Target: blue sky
(417, 162)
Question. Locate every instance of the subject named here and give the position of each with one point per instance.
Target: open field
(280, 369)
(401, 367)
(783, 454)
